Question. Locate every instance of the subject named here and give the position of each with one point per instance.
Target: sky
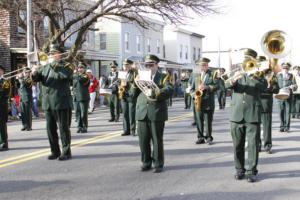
(242, 24)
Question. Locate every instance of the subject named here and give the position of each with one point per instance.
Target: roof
(198, 35)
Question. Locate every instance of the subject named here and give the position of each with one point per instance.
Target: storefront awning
(18, 50)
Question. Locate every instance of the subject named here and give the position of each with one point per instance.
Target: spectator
(102, 85)
(35, 98)
(92, 90)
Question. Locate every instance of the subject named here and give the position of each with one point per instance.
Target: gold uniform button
(244, 102)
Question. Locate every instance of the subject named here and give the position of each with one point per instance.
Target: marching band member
(296, 95)
(151, 116)
(207, 85)
(5, 89)
(128, 99)
(285, 81)
(26, 99)
(267, 106)
(81, 95)
(114, 101)
(187, 86)
(221, 92)
(245, 119)
(57, 101)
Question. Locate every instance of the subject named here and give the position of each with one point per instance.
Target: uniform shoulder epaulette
(6, 84)
(70, 66)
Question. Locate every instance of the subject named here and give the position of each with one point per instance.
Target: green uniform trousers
(239, 133)
(296, 105)
(26, 114)
(187, 100)
(3, 125)
(114, 105)
(147, 131)
(81, 114)
(60, 118)
(266, 121)
(221, 94)
(204, 124)
(284, 113)
(129, 122)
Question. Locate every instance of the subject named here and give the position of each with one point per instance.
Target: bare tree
(69, 17)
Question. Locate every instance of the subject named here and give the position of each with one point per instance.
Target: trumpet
(248, 66)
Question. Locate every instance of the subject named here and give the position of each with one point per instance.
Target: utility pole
(29, 32)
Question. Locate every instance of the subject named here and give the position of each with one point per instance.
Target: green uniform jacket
(285, 83)
(5, 88)
(267, 95)
(130, 94)
(154, 110)
(26, 91)
(55, 78)
(81, 87)
(208, 97)
(246, 103)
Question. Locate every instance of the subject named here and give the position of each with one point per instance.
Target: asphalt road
(107, 166)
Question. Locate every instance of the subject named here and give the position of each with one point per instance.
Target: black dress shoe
(4, 148)
(145, 168)
(111, 120)
(125, 134)
(239, 176)
(268, 150)
(286, 130)
(209, 141)
(157, 169)
(193, 124)
(251, 178)
(78, 131)
(117, 120)
(23, 129)
(133, 133)
(83, 130)
(281, 129)
(200, 141)
(53, 157)
(29, 129)
(64, 157)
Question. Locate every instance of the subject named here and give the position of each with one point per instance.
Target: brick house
(13, 39)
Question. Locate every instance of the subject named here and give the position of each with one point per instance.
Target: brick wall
(4, 39)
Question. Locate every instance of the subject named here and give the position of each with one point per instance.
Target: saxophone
(198, 96)
(198, 100)
(122, 89)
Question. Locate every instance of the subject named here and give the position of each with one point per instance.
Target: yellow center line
(37, 154)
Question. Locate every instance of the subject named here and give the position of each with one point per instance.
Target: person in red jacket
(92, 90)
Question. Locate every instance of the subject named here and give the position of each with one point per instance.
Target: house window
(138, 43)
(158, 46)
(102, 41)
(194, 53)
(127, 41)
(22, 15)
(186, 52)
(199, 53)
(148, 45)
(180, 52)
(46, 27)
